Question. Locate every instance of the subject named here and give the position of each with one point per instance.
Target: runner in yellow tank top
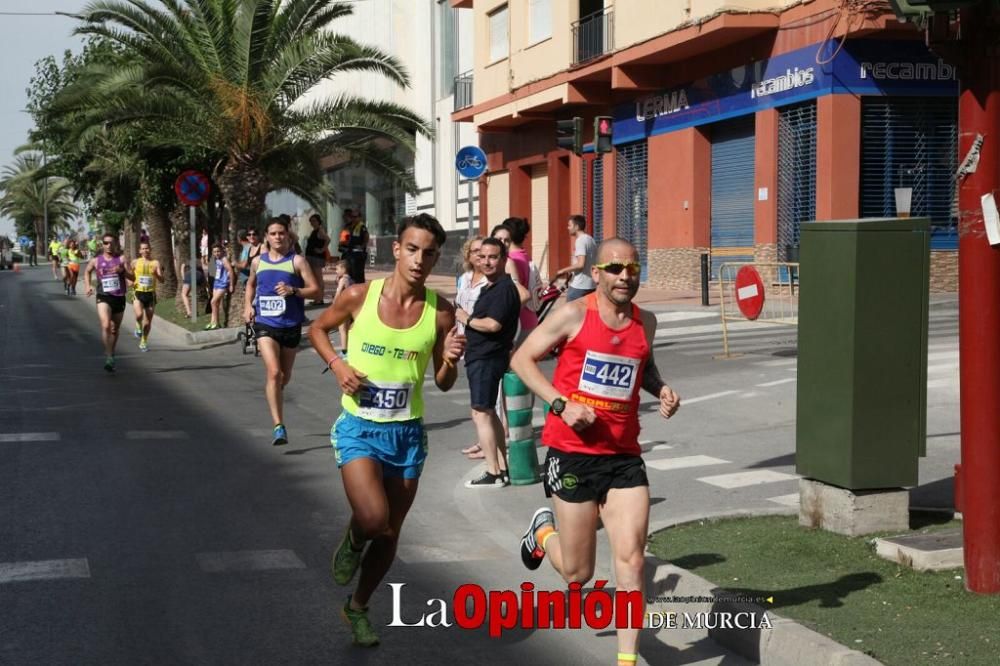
(379, 439)
(147, 273)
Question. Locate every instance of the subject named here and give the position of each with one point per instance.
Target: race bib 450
(386, 401)
(609, 376)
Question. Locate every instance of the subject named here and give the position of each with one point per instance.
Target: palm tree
(28, 193)
(230, 78)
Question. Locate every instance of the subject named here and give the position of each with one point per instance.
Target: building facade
(433, 40)
(734, 123)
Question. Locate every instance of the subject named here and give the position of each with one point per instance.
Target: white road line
(684, 316)
(156, 434)
(943, 355)
(710, 396)
(786, 500)
(666, 464)
(786, 380)
(20, 572)
(248, 560)
(715, 328)
(943, 367)
(741, 479)
(777, 363)
(29, 437)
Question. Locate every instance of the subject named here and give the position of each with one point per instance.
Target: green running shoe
(361, 629)
(109, 363)
(345, 560)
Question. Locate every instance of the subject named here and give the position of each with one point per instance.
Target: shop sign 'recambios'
(861, 67)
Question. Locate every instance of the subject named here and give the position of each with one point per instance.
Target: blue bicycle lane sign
(471, 162)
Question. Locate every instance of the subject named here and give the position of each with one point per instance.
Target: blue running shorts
(399, 446)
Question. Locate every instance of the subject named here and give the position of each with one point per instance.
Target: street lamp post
(45, 202)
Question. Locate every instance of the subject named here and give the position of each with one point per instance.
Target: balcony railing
(463, 91)
(593, 36)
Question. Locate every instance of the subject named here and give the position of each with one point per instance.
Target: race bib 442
(609, 376)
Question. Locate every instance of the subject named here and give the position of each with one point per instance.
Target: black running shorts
(578, 477)
(147, 298)
(285, 337)
(117, 303)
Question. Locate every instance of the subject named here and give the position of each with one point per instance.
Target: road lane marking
(684, 316)
(743, 479)
(710, 396)
(29, 437)
(777, 363)
(249, 560)
(156, 434)
(786, 500)
(20, 572)
(666, 464)
(776, 383)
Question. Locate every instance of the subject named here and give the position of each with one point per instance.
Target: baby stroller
(249, 339)
(547, 297)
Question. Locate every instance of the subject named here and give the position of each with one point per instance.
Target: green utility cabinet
(861, 414)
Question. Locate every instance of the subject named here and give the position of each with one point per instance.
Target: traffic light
(603, 128)
(569, 134)
(920, 9)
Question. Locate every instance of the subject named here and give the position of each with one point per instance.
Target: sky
(23, 41)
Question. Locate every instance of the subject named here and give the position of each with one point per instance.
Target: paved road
(147, 519)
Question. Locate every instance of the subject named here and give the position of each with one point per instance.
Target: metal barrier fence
(781, 299)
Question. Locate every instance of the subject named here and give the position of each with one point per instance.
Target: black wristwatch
(558, 406)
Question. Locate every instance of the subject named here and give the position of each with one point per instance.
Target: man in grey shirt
(584, 250)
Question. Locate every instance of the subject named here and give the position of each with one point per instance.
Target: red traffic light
(603, 129)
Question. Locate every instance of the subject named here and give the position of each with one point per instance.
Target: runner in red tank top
(593, 467)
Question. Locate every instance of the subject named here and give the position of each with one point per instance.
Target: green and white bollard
(522, 460)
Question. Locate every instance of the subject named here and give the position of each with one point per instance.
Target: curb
(786, 642)
(198, 339)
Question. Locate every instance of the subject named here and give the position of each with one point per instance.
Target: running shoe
(211, 327)
(345, 560)
(109, 363)
(531, 551)
(138, 331)
(143, 346)
(487, 480)
(361, 629)
(280, 435)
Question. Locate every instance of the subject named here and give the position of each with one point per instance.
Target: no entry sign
(192, 187)
(749, 292)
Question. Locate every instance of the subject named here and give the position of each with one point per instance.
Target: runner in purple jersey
(111, 270)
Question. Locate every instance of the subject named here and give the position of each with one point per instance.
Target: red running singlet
(601, 367)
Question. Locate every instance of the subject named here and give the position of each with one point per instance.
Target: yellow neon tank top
(145, 277)
(394, 360)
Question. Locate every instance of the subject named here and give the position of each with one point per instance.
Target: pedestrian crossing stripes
(791, 499)
(777, 382)
(248, 560)
(743, 479)
(21, 572)
(684, 462)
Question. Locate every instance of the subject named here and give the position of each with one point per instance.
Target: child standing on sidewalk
(343, 282)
